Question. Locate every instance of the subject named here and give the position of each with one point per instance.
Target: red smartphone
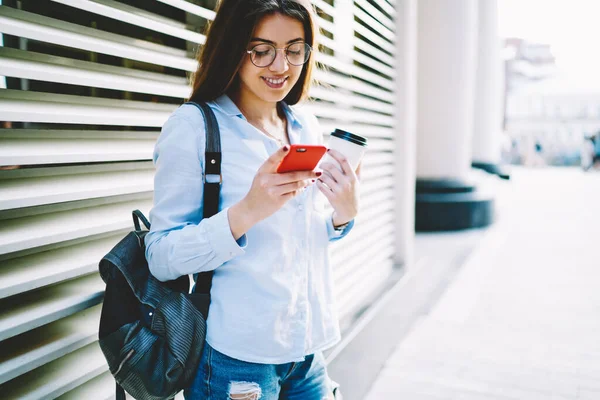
(302, 157)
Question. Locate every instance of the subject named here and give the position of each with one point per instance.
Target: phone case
(302, 157)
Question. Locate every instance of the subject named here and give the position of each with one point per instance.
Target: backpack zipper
(127, 357)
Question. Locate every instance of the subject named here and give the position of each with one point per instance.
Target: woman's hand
(269, 192)
(341, 188)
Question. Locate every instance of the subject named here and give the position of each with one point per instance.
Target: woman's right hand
(269, 192)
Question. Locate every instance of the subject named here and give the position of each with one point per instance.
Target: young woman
(272, 309)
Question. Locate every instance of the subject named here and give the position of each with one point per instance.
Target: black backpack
(152, 332)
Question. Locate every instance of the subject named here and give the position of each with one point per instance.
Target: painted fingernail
(285, 148)
(318, 173)
(313, 181)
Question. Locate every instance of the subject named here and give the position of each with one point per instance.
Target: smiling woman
(272, 311)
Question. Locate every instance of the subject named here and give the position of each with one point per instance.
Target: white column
(447, 43)
(489, 97)
(406, 139)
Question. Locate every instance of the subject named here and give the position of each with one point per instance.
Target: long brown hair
(228, 38)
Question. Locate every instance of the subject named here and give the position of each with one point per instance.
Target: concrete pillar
(446, 88)
(446, 198)
(406, 139)
(489, 92)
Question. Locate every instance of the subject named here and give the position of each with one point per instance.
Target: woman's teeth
(275, 81)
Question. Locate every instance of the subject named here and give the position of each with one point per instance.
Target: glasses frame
(284, 54)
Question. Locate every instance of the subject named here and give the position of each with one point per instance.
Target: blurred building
(548, 114)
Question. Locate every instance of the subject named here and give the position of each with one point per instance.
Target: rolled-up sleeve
(180, 241)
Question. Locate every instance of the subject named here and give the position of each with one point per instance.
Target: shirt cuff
(337, 234)
(221, 239)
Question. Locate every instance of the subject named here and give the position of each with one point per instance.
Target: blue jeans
(221, 377)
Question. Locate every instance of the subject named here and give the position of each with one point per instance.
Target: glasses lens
(263, 55)
(298, 53)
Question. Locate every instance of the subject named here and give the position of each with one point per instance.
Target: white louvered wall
(88, 85)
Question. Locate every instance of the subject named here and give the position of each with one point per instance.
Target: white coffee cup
(352, 146)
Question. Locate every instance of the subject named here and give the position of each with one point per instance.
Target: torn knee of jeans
(244, 391)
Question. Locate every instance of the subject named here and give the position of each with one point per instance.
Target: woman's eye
(261, 53)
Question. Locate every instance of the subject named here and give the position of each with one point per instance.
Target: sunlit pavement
(521, 319)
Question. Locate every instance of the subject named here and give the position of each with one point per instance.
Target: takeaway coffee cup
(352, 146)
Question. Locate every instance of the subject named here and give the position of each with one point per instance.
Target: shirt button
(300, 208)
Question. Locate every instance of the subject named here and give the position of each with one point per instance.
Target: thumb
(273, 162)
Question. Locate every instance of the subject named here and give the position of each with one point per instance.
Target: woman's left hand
(341, 188)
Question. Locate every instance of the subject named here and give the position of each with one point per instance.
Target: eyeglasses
(263, 55)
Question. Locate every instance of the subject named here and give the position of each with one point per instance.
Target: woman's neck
(255, 109)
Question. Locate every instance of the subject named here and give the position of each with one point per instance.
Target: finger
(330, 182)
(325, 190)
(358, 169)
(334, 172)
(289, 177)
(283, 190)
(271, 164)
(343, 161)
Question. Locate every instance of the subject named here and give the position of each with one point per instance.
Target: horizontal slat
(376, 24)
(330, 112)
(58, 377)
(349, 301)
(326, 25)
(25, 312)
(43, 67)
(354, 85)
(37, 270)
(375, 172)
(101, 387)
(78, 134)
(379, 235)
(368, 61)
(376, 39)
(365, 264)
(47, 190)
(39, 152)
(375, 185)
(326, 7)
(41, 230)
(353, 70)
(373, 199)
(40, 346)
(191, 8)
(374, 52)
(46, 107)
(134, 16)
(9, 94)
(70, 169)
(376, 14)
(386, 6)
(340, 97)
(37, 27)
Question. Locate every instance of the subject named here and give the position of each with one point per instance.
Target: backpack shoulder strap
(212, 157)
(212, 181)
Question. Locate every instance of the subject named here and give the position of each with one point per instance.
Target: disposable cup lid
(351, 137)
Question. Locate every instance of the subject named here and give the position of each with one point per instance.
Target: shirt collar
(228, 107)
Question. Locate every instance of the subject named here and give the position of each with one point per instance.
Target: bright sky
(571, 27)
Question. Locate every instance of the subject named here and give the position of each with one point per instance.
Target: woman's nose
(280, 63)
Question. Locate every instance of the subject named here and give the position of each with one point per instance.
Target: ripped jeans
(220, 377)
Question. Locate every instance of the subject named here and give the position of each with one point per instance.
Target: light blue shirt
(272, 295)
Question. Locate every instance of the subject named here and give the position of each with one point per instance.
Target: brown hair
(227, 40)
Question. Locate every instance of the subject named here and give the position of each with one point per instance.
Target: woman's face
(273, 83)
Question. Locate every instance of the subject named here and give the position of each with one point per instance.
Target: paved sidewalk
(521, 320)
